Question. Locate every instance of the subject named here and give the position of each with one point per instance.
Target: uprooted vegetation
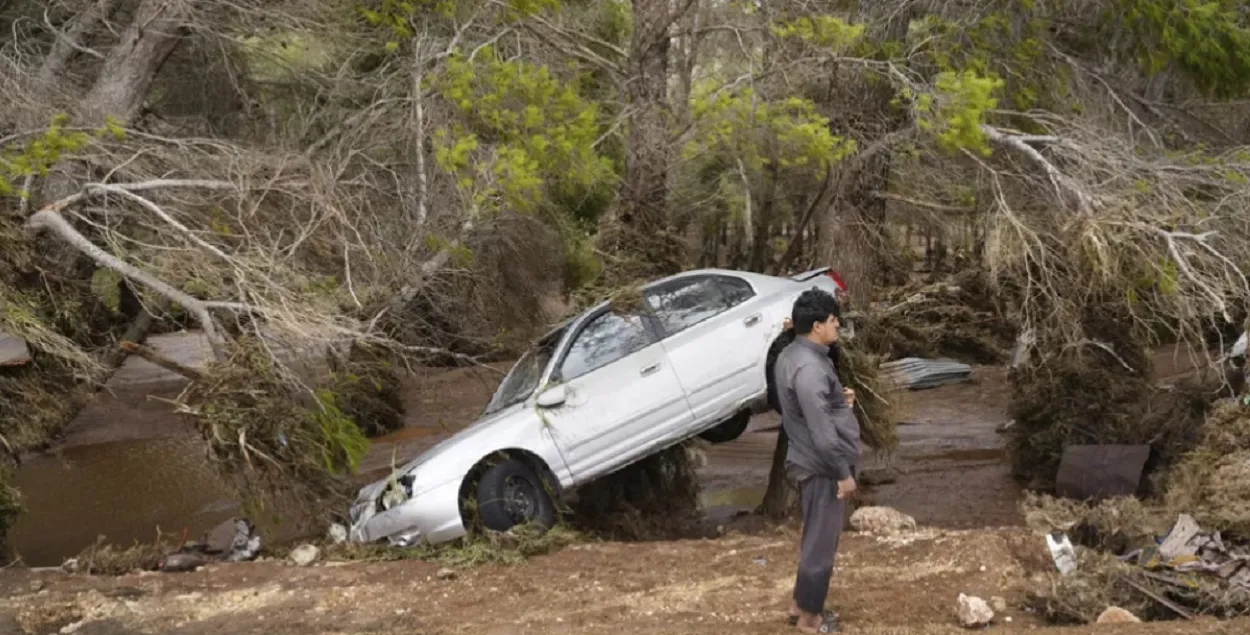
(1098, 391)
(275, 438)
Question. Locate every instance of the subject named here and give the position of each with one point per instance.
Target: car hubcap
(519, 499)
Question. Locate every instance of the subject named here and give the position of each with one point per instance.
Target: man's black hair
(814, 305)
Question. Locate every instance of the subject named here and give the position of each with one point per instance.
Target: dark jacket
(823, 431)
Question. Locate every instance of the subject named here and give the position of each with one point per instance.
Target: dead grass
(876, 407)
(106, 559)
(1212, 483)
(482, 548)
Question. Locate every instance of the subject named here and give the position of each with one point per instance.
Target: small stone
(998, 604)
(974, 612)
(36, 586)
(446, 573)
(1007, 619)
(983, 569)
(305, 555)
(338, 534)
(1117, 615)
(881, 520)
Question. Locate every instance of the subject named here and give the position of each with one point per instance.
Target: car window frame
(556, 375)
(688, 279)
(720, 278)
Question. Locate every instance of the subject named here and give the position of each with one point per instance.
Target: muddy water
(125, 491)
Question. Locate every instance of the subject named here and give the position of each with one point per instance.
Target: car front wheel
(509, 494)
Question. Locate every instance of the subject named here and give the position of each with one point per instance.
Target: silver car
(595, 394)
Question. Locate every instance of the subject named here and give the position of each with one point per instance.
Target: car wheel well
(468, 487)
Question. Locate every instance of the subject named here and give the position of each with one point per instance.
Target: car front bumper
(431, 516)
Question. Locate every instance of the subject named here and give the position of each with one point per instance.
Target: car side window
(685, 302)
(606, 339)
(736, 290)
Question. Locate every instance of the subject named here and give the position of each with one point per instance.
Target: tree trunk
(644, 190)
(781, 497)
(72, 39)
(121, 88)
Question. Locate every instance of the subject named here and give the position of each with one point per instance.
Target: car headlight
(396, 493)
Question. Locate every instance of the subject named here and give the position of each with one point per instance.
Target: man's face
(826, 332)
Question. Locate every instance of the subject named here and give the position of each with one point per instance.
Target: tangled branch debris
(275, 439)
(959, 320)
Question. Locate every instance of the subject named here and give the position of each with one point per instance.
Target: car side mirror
(553, 396)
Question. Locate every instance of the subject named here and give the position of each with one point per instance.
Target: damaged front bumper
(390, 510)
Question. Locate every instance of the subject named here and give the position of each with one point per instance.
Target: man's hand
(847, 488)
(849, 396)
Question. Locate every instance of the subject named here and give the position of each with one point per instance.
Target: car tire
(728, 430)
(510, 493)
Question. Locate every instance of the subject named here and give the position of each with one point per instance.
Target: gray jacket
(823, 431)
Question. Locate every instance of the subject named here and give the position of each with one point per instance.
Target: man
(823, 453)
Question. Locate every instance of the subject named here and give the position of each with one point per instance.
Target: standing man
(824, 449)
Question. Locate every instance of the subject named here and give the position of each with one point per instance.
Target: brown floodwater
(125, 491)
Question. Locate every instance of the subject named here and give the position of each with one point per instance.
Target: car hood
(480, 426)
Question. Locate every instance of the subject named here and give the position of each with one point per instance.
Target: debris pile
(1120, 562)
(655, 498)
(958, 319)
(234, 540)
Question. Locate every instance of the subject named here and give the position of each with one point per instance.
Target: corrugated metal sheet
(915, 373)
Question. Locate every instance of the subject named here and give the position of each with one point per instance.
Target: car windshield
(525, 374)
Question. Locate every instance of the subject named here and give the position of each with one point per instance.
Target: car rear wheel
(728, 430)
(509, 494)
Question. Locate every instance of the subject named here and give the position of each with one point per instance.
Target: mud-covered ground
(949, 473)
(734, 584)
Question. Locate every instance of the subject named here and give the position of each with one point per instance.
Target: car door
(715, 335)
(623, 400)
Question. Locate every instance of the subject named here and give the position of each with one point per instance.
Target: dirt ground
(950, 474)
(737, 583)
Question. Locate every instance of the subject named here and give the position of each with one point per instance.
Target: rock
(338, 534)
(881, 520)
(1117, 615)
(998, 604)
(446, 573)
(974, 612)
(36, 586)
(305, 555)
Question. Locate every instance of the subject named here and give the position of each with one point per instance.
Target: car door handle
(650, 370)
(752, 320)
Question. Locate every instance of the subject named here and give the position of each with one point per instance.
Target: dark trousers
(823, 516)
